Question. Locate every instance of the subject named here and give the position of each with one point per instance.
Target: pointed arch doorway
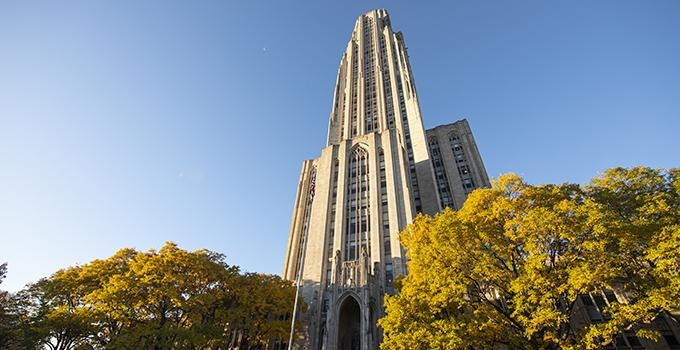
(349, 325)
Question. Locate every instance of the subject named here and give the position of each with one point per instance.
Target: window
(611, 297)
(328, 276)
(389, 275)
(585, 299)
(442, 182)
(356, 237)
(461, 163)
(331, 217)
(384, 208)
(592, 311)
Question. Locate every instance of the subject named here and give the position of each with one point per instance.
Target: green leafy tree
(7, 318)
(53, 316)
(509, 266)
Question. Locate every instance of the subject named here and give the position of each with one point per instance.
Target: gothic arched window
(358, 218)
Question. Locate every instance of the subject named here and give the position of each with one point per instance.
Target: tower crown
(373, 81)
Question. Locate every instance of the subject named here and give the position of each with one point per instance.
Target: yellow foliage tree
(166, 299)
(509, 266)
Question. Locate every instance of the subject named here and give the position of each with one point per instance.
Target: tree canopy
(165, 299)
(510, 265)
(7, 318)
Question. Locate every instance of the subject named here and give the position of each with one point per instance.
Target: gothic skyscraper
(378, 170)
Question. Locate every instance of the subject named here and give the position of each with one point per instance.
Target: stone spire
(374, 88)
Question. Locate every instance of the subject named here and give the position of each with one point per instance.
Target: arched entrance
(349, 325)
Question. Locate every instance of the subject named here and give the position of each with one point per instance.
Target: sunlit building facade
(380, 168)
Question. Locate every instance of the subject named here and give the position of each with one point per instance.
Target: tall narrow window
(384, 211)
(387, 82)
(445, 196)
(355, 74)
(370, 106)
(385, 220)
(358, 218)
(389, 274)
(333, 207)
(462, 163)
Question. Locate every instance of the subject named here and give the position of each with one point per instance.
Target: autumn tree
(509, 267)
(265, 305)
(165, 299)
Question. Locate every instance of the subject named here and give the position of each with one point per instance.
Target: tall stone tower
(374, 175)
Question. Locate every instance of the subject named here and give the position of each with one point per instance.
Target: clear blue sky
(132, 123)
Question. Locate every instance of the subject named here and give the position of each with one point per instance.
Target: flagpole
(297, 293)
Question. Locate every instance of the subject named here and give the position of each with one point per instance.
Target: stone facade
(374, 175)
(590, 308)
(458, 167)
(379, 169)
